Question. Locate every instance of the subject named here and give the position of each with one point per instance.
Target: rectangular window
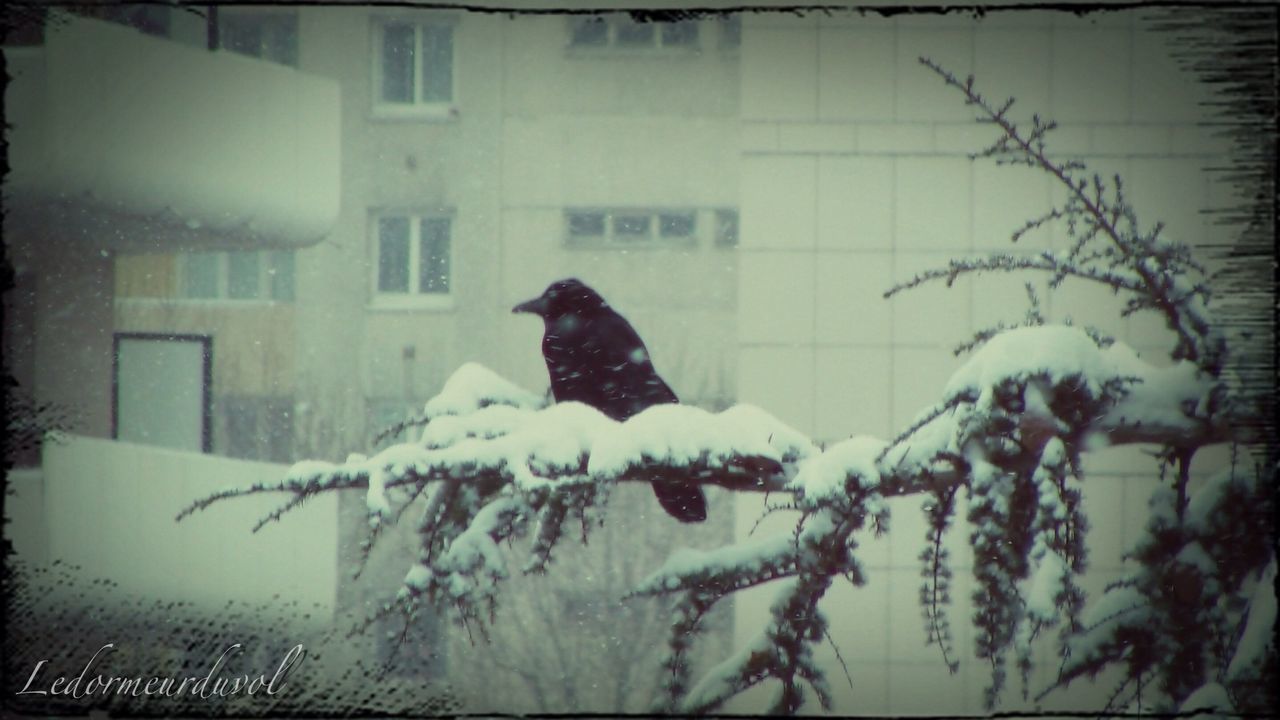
(433, 269)
(630, 226)
(677, 225)
(281, 274)
(414, 258)
(237, 275)
(589, 32)
(679, 34)
(398, 47)
(622, 32)
(414, 66)
(393, 255)
(243, 270)
(586, 224)
(727, 228)
(629, 33)
(200, 276)
(437, 63)
(731, 31)
(270, 36)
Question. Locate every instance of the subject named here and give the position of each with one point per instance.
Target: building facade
(744, 189)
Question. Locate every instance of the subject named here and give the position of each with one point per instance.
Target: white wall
(855, 176)
(109, 507)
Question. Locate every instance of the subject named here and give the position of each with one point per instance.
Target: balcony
(122, 140)
(108, 509)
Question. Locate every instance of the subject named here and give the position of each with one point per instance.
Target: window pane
(200, 276)
(631, 227)
(241, 34)
(437, 63)
(680, 34)
(727, 227)
(676, 225)
(434, 256)
(634, 34)
(397, 63)
(281, 272)
(731, 30)
(589, 31)
(280, 39)
(242, 275)
(583, 224)
(393, 255)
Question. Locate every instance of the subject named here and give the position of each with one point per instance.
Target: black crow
(595, 357)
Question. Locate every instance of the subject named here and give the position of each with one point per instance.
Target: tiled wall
(856, 176)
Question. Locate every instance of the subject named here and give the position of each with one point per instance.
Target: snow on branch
(493, 464)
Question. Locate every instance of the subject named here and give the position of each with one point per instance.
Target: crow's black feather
(595, 357)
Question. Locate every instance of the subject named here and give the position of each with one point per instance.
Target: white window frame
(612, 47)
(412, 299)
(652, 239)
(223, 279)
(418, 109)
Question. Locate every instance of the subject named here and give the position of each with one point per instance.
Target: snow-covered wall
(109, 507)
(855, 176)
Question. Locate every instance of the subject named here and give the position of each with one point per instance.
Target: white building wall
(855, 176)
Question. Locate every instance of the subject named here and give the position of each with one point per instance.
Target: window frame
(654, 236)
(656, 45)
(413, 298)
(236, 13)
(418, 109)
(268, 264)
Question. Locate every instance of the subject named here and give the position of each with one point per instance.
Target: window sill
(579, 243)
(405, 303)
(218, 302)
(438, 112)
(604, 52)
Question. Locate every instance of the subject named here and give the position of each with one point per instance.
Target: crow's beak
(537, 306)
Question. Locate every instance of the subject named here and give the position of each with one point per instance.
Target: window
(731, 31)
(238, 275)
(258, 428)
(623, 32)
(413, 67)
(270, 36)
(726, 228)
(587, 227)
(413, 255)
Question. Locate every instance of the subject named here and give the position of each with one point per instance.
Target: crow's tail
(682, 500)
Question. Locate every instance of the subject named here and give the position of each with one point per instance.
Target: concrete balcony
(123, 141)
(108, 509)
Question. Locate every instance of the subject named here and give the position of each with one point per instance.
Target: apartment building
(744, 189)
(482, 158)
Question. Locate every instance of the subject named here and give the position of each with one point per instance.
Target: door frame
(206, 399)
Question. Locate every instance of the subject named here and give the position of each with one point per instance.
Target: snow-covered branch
(492, 464)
